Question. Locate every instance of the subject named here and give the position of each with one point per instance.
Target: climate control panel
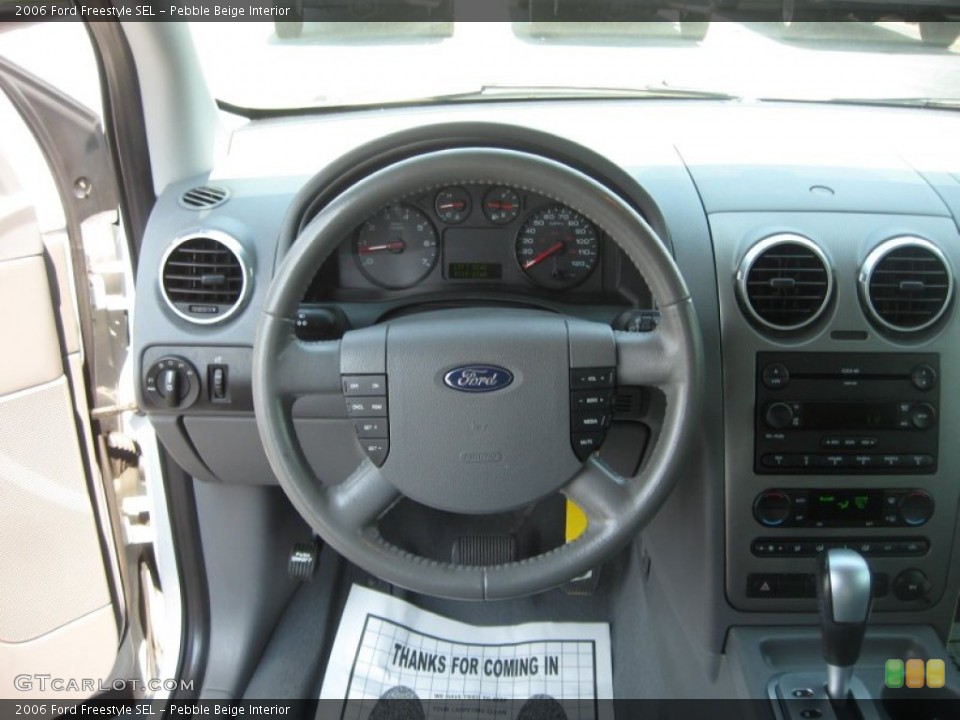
(843, 508)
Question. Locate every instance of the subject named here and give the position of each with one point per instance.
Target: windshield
(313, 63)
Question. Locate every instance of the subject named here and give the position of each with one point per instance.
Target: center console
(837, 429)
(864, 429)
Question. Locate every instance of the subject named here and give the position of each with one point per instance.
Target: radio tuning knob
(779, 415)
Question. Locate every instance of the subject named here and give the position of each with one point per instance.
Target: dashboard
(822, 270)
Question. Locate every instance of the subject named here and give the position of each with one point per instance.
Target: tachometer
(397, 247)
(557, 247)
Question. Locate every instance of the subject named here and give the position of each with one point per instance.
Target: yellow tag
(576, 521)
(936, 674)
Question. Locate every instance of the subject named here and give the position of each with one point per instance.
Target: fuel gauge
(501, 205)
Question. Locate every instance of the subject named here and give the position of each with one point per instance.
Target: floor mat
(389, 653)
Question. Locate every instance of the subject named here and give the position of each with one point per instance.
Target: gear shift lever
(844, 595)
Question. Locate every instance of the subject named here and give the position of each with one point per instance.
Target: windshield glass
(318, 63)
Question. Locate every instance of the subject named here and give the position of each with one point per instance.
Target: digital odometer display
(475, 254)
(474, 271)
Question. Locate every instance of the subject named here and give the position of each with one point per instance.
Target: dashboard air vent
(204, 197)
(785, 282)
(906, 284)
(204, 277)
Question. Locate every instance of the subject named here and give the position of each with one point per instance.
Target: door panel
(56, 612)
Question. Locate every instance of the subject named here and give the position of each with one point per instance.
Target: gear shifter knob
(844, 595)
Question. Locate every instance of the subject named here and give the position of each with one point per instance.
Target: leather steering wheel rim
(345, 514)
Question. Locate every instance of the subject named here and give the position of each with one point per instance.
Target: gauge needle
(458, 205)
(396, 245)
(543, 256)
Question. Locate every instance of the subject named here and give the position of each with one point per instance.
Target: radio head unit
(839, 413)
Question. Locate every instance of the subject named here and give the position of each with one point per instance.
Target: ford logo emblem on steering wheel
(478, 378)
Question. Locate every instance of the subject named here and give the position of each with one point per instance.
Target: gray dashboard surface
(721, 175)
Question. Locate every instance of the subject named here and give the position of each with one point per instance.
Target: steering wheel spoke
(598, 491)
(360, 500)
(303, 368)
(655, 359)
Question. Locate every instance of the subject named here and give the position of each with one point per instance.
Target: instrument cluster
(480, 234)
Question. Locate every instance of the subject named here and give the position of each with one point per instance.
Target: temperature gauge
(453, 205)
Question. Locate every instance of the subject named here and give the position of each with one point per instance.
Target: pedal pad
(485, 550)
(303, 561)
(586, 584)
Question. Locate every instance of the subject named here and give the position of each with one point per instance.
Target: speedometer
(397, 247)
(557, 247)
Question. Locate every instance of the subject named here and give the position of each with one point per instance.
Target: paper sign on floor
(387, 649)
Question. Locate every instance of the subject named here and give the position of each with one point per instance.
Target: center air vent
(785, 282)
(204, 197)
(205, 277)
(906, 284)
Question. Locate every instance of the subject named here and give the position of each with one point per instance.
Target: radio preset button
(773, 461)
(920, 461)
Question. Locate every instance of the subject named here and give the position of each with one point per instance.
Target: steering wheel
(477, 452)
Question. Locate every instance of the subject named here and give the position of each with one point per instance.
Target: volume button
(779, 415)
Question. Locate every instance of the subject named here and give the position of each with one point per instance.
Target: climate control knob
(779, 415)
(772, 508)
(916, 507)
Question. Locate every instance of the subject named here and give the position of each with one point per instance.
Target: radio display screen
(849, 416)
(845, 507)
